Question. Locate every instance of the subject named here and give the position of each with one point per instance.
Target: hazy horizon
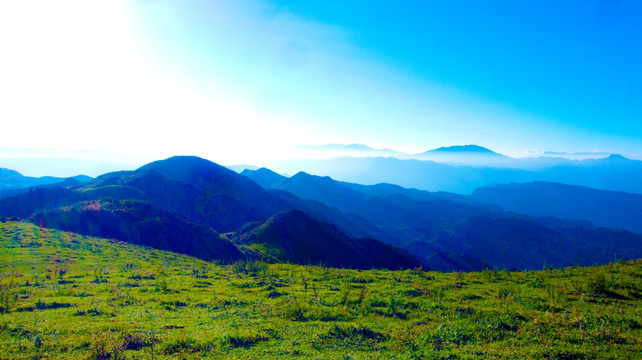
(57, 163)
(247, 83)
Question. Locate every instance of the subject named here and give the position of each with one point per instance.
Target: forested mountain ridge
(179, 204)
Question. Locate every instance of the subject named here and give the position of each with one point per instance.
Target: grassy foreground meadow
(68, 296)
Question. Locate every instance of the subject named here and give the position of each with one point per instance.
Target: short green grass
(73, 297)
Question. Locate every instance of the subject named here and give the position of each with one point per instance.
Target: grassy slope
(118, 299)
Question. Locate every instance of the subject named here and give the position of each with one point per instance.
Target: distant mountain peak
(301, 174)
(265, 170)
(294, 215)
(617, 157)
(463, 149)
(9, 172)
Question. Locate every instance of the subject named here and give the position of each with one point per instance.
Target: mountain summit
(467, 149)
(465, 155)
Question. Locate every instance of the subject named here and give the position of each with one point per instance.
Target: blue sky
(244, 82)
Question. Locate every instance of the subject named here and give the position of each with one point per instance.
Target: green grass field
(72, 297)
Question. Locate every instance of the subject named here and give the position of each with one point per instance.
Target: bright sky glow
(247, 81)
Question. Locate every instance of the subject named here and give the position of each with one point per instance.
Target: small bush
(292, 309)
(40, 305)
(182, 346)
(598, 285)
(251, 268)
(106, 346)
(351, 336)
(244, 341)
(7, 298)
(161, 287)
(274, 294)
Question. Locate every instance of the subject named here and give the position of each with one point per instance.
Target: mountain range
(181, 204)
(611, 209)
(191, 205)
(13, 180)
(470, 148)
(452, 232)
(473, 169)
